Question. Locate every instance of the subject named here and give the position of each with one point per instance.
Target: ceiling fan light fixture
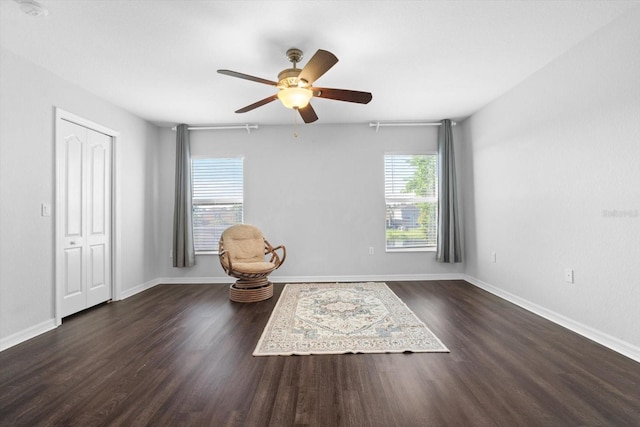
(296, 86)
(295, 97)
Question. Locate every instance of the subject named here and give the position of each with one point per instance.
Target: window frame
(435, 199)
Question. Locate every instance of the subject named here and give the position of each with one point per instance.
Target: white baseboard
(140, 288)
(43, 327)
(600, 337)
(49, 325)
(366, 278)
(609, 341)
(195, 280)
(315, 279)
(27, 334)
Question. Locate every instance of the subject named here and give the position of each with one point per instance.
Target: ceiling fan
(295, 85)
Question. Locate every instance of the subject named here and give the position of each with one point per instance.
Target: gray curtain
(183, 249)
(448, 248)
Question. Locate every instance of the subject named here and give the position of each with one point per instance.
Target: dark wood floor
(181, 355)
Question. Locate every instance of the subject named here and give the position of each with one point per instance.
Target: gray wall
(27, 110)
(321, 194)
(548, 165)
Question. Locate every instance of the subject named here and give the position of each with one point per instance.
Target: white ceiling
(422, 60)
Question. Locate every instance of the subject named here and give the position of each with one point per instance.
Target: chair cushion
(253, 267)
(244, 243)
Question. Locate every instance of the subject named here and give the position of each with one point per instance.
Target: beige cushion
(253, 267)
(244, 243)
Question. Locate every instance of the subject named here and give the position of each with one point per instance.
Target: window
(410, 189)
(217, 199)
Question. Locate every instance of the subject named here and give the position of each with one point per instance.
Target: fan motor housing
(289, 78)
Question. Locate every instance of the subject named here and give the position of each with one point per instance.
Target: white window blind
(412, 201)
(217, 197)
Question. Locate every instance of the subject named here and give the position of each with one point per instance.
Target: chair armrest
(226, 267)
(284, 252)
(275, 258)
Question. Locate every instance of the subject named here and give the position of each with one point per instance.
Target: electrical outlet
(371, 251)
(568, 275)
(493, 257)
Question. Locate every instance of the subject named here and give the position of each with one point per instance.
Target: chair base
(251, 291)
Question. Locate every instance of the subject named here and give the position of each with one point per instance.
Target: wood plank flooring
(180, 355)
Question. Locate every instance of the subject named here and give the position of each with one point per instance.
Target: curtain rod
(378, 125)
(246, 127)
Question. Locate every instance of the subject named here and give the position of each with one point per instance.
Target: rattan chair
(246, 255)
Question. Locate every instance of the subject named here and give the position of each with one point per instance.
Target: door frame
(116, 232)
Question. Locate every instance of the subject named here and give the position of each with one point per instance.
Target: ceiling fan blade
(308, 114)
(342, 95)
(257, 104)
(319, 64)
(247, 77)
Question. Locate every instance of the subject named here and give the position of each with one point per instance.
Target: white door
(84, 217)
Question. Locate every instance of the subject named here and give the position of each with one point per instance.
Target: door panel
(74, 155)
(74, 298)
(98, 192)
(74, 295)
(99, 287)
(73, 272)
(96, 267)
(99, 214)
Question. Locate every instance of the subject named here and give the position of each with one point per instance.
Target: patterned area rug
(337, 318)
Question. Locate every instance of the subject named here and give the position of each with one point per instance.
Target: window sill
(400, 249)
(207, 253)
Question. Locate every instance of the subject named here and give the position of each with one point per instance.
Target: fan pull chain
(295, 122)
